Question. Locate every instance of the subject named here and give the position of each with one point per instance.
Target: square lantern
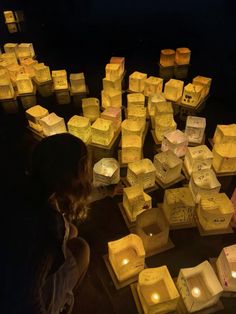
(113, 98)
(203, 183)
(15, 70)
(42, 72)
(139, 114)
(199, 287)
(10, 58)
(153, 85)
(113, 114)
(106, 172)
(205, 82)
(77, 83)
(131, 148)
(121, 62)
(34, 114)
(135, 201)
(126, 256)
(179, 206)
(131, 127)
(224, 157)
(111, 85)
(215, 211)
(182, 56)
(59, 78)
(91, 108)
(28, 64)
(195, 128)
(153, 102)
(153, 228)
(157, 291)
(11, 47)
(102, 132)
(164, 123)
(6, 89)
(135, 100)
(142, 172)
(9, 16)
(52, 124)
(225, 133)
(24, 84)
(192, 95)
(226, 268)
(80, 127)
(198, 158)
(25, 50)
(137, 81)
(173, 89)
(167, 57)
(168, 166)
(176, 141)
(113, 71)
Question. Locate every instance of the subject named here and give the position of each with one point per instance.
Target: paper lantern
(199, 287)
(111, 85)
(153, 85)
(205, 82)
(28, 64)
(153, 102)
(142, 172)
(126, 256)
(91, 108)
(225, 133)
(131, 127)
(113, 114)
(226, 268)
(52, 124)
(59, 78)
(34, 114)
(135, 100)
(80, 127)
(113, 71)
(195, 128)
(106, 171)
(167, 57)
(42, 73)
(102, 132)
(77, 83)
(24, 84)
(198, 158)
(153, 228)
(173, 89)
(138, 114)
(168, 166)
(137, 81)
(9, 17)
(135, 201)
(10, 47)
(157, 291)
(215, 211)
(14, 71)
(10, 58)
(192, 95)
(179, 206)
(203, 183)
(182, 56)
(6, 89)
(131, 148)
(121, 62)
(164, 124)
(224, 157)
(176, 141)
(25, 50)
(113, 98)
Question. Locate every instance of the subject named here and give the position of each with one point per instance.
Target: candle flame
(196, 292)
(125, 261)
(150, 234)
(155, 297)
(233, 274)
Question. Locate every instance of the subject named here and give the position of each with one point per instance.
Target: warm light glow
(233, 274)
(155, 297)
(150, 234)
(196, 292)
(125, 261)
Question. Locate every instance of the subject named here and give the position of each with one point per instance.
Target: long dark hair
(61, 171)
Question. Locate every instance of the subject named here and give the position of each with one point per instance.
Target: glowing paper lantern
(198, 158)
(173, 89)
(91, 108)
(153, 85)
(80, 127)
(131, 148)
(102, 132)
(77, 83)
(205, 82)
(59, 78)
(225, 133)
(176, 141)
(137, 81)
(34, 114)
(195, 128)
(182, 56)
(52, 124)
(192, 95)
(142, 172)
(167, 57)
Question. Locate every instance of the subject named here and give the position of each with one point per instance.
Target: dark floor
(82, 37)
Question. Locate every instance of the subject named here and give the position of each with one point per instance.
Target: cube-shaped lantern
(77, 83)
(226, 268)
(34, 114)
(153, 102)
(28, 64)
(59, 78)
(42, 72)
(215, 211)
(225, 133)
(10, 58)
(80, 127)
(203, 183)
(24, 84)
(91, 108)
(164, 124)
(167, 57)
(131, 148)
(121, 62)
(9, 16)
(137, 81)
(224, 157)
(113, 114)
(153, 85)
(6, 89)
(157, 291)
(199, 287)
(110, 85)
(192, 95)
(135, 100)
(182, 56)
(168, 166)
(11, 47)
(131, 127)
(205, 82)
(173, 89)
(142, 172)
(113, 98)
(126, 256)
(153, 228)
(135, 201)
(176, 141)
(25, 50)
(102, 132)
(139, 114)
(198, 158)
(195, 128)
(113, 71)
(106, 171)
(14, 71)
(179, 206)
(52, 124)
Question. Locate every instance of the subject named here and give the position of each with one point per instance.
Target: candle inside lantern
(152, 229)
(233, 274)
(125, 261)
(155, 297)
(196, 292)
